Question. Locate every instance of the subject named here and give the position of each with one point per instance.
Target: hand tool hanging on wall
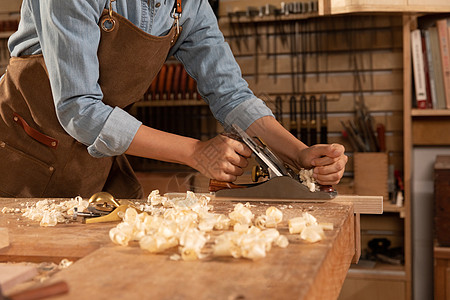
(183, 85)
(323, 119)
(303, 54)
(253, 12)
(176, 80)
(270, 10)
(363, 119)
(168, 82)
(303, 120)
(346, 135)
(355, 141)
(381, 135)
(312, 121)
(162, 81)
(234, 33)
(192, 91)
(279, 109)
(215, 7)
(275, 51)
(237, 28)
(293, 49)
(293, 116)
(152, 89)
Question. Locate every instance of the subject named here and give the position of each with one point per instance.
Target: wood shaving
(64, 264)
(308, 228)
(184, 224)
(49, 212)
(307, 179)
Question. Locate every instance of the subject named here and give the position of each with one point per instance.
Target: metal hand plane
(282, 182)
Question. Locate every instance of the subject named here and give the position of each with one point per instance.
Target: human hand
(328, 162)
(221, 158)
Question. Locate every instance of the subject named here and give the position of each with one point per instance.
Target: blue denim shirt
(66, 33)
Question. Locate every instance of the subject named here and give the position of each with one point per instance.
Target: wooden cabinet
(441, 273)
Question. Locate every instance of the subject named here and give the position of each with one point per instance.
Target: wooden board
(33, 243)
(301, 271)
(431, 131)
(361, 204)
(4, 237)
(12, 274)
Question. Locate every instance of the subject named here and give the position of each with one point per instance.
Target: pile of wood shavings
(50, 212)
(188, 222)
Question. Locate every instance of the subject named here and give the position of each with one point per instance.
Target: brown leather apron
(37, 157)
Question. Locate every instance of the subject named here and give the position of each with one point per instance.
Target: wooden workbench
(106, 271)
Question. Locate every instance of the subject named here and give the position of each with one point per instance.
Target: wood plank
(339, 62)
(395, 158)
(372, 289)
(328, 23)
(430, 112)
(381, 39)
(335, 126)
(337, 83)
(4, 237)
(431, 131)
(344, 103)
(13, 274)
(388, 9)
(317, 273)
(362, 204)
(355, 259)
(33, 243)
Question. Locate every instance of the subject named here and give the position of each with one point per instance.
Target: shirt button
(158, 4)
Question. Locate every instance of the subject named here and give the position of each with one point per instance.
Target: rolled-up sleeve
(69, 37)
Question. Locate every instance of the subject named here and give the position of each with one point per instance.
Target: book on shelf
(418, 69)
(429, 79)
(434, 50)
(430, 55)
(443, 34)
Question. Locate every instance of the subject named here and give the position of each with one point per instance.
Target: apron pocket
(22, 175)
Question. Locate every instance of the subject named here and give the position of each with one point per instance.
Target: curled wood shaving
(307, 179)
(308, 228)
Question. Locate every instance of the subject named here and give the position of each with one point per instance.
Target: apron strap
(177, 7)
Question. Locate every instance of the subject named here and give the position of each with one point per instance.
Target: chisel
(323, 119)
(293, 116)
(279, 109)
(312, 121)
(304, 120)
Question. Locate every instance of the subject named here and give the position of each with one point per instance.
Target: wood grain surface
(32, 243)
(300, 271)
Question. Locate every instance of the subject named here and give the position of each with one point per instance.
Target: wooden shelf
(389, 207)
(379, 271)
(257, 19)
(430, 112)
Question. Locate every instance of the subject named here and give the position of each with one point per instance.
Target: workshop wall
(348, 58)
